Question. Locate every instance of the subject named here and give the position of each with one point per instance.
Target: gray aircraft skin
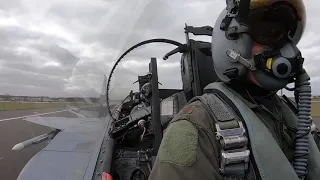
(73, 153)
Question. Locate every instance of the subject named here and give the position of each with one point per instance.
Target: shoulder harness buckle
(234, 152)
(231, 135)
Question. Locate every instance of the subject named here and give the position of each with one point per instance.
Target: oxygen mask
(271, 68)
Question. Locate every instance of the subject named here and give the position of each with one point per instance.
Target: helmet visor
(297, 5)
(272, 24)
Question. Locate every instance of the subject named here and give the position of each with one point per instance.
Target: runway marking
(77, 114)
(1, 120)
(31, 115)
(42, 114)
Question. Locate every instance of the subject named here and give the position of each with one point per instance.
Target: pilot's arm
(187, 151)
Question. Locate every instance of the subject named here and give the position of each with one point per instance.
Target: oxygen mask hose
(300, 161)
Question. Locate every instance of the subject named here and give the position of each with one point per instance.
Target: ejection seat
(197, 72)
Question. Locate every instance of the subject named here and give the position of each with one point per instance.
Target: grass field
(8, 106)
(315, 109)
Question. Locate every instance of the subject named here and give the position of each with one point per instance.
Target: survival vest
(247, 138)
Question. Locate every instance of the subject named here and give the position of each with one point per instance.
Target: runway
(13, 129)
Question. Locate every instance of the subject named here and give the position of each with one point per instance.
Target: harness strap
(231, 135)
(270, 161)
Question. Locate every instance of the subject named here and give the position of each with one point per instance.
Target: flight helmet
(277, 25)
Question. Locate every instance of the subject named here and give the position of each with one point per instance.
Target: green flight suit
(189, 149)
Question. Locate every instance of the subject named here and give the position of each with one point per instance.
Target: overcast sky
(64, 47)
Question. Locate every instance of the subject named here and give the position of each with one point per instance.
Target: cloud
(64, 47)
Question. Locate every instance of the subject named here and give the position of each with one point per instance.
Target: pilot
(189, 148)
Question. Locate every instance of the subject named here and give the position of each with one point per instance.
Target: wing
(60, 122)
(72, 153)
(63, 122)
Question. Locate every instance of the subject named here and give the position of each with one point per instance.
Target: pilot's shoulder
(196, 113)
(194, 108)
